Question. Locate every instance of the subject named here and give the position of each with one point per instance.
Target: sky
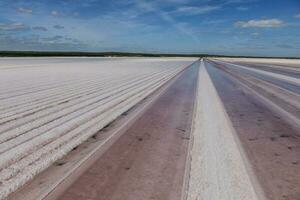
(231, 27)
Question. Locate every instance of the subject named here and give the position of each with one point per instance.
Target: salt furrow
(55, 108)
(21, 179)
(33, 107)
(82, 89)
(27, 161)
(37, 82)
(67, 83)
(218, 169)
(43, 122)
(30, 99)
(40, 88)
(34, 83)
(28, 147)
(17, 136)
(50, 107)
(56, 97)
(31, 171)
(56, 91)
(56, 119)
(25, 86)
(38, 95)
(288, 79)
(41, 92)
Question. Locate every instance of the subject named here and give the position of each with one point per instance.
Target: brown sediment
(271, 144)
(148, 160)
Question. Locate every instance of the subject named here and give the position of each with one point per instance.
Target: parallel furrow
(46, 117)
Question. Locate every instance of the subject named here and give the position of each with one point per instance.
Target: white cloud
(37, 43)
(297, 16)
(264, 23)
(55, 13)
(193, 10)
(13, 26)
(215, 21)
(242, 8)
(255, 34)
(24, 10)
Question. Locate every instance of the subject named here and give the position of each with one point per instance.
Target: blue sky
(233, 27)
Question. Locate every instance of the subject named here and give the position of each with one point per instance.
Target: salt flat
(268, 61)
(48, 106)
(224, 131)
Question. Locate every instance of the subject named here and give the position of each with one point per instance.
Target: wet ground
(148, 161)
(289, 70)
(280, 83)
(272, 144)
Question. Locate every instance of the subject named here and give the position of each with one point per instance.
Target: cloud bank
(264, 23)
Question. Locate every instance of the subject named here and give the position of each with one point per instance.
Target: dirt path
(148, 161)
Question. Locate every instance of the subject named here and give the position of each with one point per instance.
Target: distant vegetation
(110, 54)
(89, 54)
